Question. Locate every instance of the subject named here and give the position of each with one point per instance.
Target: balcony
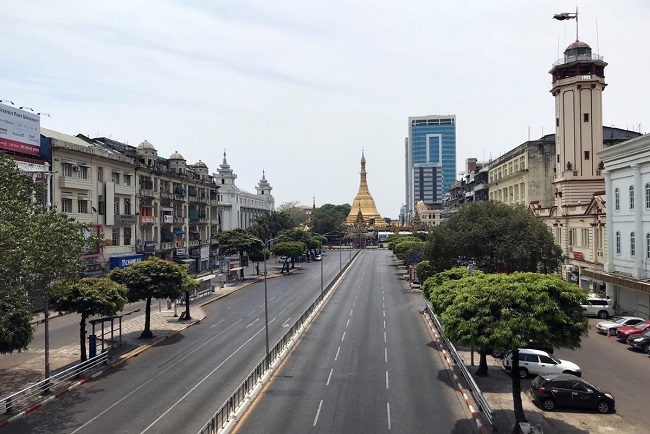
(148, 193)
(147, 219)
(74, 182)
(166, 246)
(195, 243)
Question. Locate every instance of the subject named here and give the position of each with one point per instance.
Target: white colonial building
(626, 272)
(238, 208)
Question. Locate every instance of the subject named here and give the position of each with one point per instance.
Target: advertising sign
(123, 261)
(225, 266)
(149, 245)
(168, 218)
(20, 130)
(205, 252)
(126, 219)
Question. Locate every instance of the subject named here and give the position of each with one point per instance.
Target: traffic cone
(608, 333)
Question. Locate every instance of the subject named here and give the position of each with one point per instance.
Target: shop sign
(149, 246)
(125, 219)
(168, 218)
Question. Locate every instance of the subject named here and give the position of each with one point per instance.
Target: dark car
(640, 341)
(564, 390)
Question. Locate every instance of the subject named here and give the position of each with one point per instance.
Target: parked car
(610, 327)
(540, 362)
(625, 332)
(598, 306)
(318, 258)
(561, 390)
(531, 345)
(640, 342)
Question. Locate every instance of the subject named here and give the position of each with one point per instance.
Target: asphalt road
(364, 366)
(178, 385)
(612, 365)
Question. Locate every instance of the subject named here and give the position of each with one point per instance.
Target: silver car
(610, 327)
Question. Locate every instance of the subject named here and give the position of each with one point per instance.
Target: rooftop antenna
(597, 43)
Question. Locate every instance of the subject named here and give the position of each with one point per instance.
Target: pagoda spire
(363, 203)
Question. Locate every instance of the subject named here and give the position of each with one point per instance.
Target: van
(598, 306)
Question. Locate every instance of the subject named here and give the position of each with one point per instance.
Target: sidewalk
(163, 325)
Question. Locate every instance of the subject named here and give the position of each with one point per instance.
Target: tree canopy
(268, 226)
(330, 218)
(494, 237)
(504, 312)
(290, 249)
(88, 297)
(37, 247)
(297, 215)
(152, 278)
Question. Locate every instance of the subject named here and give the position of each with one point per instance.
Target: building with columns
(238, 207)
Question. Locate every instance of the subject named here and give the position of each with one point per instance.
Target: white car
(610, 327)
(540, 362)
(600, 307)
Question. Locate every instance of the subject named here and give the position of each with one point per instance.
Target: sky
(298, 89)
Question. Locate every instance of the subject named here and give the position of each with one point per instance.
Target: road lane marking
(384, 336)
(270, 299)
(337, 354)
(384, 323)
(251, 312)
(318, 412)
(386, 355)
(214, 325)
(386, 379)
(388, 412)
(384, 313)
(351, 312)
(282, 311)
(343, 337)
(353, 303)
(348, 322)
(285, 323)
(256, 319)
(330, 376)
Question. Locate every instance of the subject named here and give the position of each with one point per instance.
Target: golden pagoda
(364, 204)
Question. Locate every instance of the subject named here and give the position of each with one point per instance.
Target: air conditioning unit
(75, 168)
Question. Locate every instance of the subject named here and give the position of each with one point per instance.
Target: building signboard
(180, 253)
(168, 218)
(125, 219)
(20, 130)
(205, 252)
(149, 246)
(123, 261)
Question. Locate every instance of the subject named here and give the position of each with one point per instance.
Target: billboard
(20, 130)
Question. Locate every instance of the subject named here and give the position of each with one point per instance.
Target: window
(647, 246)
(585, 117)
(116, 206)
(617, 199)
(127, 179)
(115, 238)
(127, 206)
(82, 206)
(82, 172)
(618, 242)
(557, 122)
(647, 196)
(127, 236)
(572, 236)
(66, 205)
(586, 155)
(100, 174)
(585, 237)
(522, 163)
(547, 360)
(632, 244)
(558, 158)
(631, 197)
(66, 169)
(102, 206)
(116, 178)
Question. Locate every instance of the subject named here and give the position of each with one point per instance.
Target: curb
(450, 364)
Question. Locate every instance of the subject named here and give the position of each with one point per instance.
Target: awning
(179, 231)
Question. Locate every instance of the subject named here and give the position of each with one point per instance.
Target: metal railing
(474, 389)
(224, 414)
(50, 386)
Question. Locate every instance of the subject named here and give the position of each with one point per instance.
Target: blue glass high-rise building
(430, 149)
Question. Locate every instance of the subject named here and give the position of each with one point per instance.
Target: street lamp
(568, 16)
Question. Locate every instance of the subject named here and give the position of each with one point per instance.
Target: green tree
(330, 218)
(505, 312)
(267, 226)
(290, 249)
(189, 284)
(424, 270)
(297, 215)
(37, 246)
(88, 297)
(496, 238)
(407, 248)
(154, 277)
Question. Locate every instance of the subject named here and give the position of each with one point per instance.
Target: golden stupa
(364, 203)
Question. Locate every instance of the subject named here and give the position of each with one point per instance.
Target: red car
(625, 332)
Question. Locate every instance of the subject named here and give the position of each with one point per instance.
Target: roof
(577, 44)
(64, 137)
(176, 156)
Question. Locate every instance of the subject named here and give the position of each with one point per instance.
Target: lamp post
(266, 303)
(568, 16)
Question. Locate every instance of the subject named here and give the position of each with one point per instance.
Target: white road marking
(384, 336)
(318, 412)
(256, 319)
(272, 297)
(252, 312)
(330, 376)
(384, 313)
(386, 379)
(353, 303)
(343, 337)
(388, 412)
(285, 323)
(214, 325)
(282, 311)
(351, 312)
(386, 355)
(337, 354)
(348, 322)
(384, 323)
